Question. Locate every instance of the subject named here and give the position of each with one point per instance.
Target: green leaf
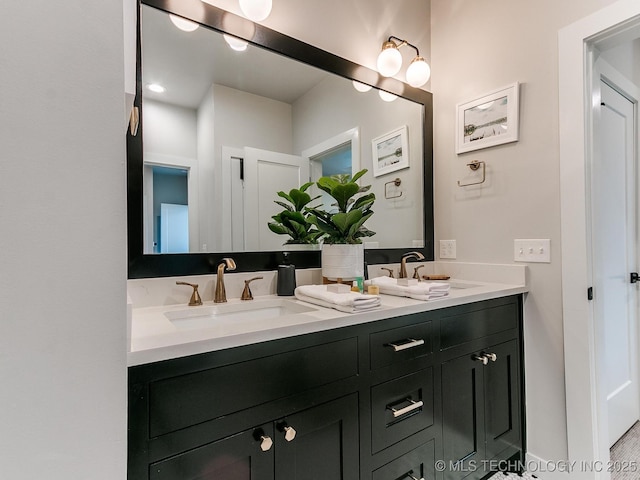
(342, 194)
(299, 199)
(359, 174)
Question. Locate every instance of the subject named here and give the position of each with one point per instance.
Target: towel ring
(474, 166)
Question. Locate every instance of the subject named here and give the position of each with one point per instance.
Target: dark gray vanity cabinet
(384, 400)
(481, 391)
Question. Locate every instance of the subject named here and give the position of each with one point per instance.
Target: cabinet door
(462, 415)
(325, 446)
(239, 457)
(502, 400)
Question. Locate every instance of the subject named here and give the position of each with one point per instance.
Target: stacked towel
(420, 291)
(350, 302)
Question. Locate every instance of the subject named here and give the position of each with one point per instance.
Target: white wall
(333, 107)
(475, 50)
(62, 241)
(169, 130)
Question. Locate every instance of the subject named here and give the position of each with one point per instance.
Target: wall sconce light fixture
(256, 10)
(390, 62)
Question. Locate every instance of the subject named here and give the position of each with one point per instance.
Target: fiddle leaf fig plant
(293, 220)
(346, 226)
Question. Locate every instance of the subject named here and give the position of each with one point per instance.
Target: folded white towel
(350, 302)
(421, 291)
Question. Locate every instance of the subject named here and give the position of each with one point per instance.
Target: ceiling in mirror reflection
(188, 63)
(218, 102)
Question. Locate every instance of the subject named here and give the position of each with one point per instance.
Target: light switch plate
(532, 250)
(448, 249)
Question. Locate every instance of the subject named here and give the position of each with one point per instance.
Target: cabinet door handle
(289, 432)
(481, 358)
(491, 356)
(265, 443)
(265, 440)
(414, 405)
(413, 477)
(404, 344)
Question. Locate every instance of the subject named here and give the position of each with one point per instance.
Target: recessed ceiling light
(183, 24)
(156, 88)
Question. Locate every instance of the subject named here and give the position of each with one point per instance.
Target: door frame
(586, 411)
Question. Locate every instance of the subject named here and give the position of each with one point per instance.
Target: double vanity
(276, 388)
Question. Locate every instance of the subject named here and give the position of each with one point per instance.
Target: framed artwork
(488, 121)
(390, 152)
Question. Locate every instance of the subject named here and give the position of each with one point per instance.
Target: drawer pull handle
(415, 405)
(410, 343)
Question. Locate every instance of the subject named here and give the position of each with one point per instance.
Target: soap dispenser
(286, 277)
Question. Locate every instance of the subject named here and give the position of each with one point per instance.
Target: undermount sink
(224, 313)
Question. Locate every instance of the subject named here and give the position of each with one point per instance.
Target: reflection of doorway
(170, 210)
(336, 155)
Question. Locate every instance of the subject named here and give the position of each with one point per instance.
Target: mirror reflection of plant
(347, 225)
(293, 220)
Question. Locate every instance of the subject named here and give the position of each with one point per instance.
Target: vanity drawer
(187, 400)
(418, 463)
(400, 344)
(465, 327)
(401, 407)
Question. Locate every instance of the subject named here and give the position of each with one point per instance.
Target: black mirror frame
(145, 266)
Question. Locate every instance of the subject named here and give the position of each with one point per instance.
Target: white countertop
(154, 337)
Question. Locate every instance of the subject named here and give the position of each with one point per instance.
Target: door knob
(634, 277)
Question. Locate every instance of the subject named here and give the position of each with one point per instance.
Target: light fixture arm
(403, 43)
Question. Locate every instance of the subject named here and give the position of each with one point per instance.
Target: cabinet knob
(289, 432)
(265, 440)
(265, 443)
(491, 356)
(481, 358)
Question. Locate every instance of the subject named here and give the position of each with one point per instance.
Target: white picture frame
(489, 120)
(390, 152)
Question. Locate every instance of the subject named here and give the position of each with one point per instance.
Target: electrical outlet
(448, 249)
(532, 250)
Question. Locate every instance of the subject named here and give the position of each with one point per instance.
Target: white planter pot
(290, 247)
(343, 261)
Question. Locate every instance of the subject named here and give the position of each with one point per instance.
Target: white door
(614, 210)
(266, 173)
(174, 228)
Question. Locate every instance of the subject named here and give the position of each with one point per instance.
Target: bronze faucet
(403, 262)
(220, 295)
(246, 293)
(195, 296)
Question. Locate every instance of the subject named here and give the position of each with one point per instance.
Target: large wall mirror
(232, 113)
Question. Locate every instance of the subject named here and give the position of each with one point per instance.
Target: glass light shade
(256, 10)
(389, 60)
(386, 96)
(236, 43)
(361, 87)
(183, 24)
(418, 72)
